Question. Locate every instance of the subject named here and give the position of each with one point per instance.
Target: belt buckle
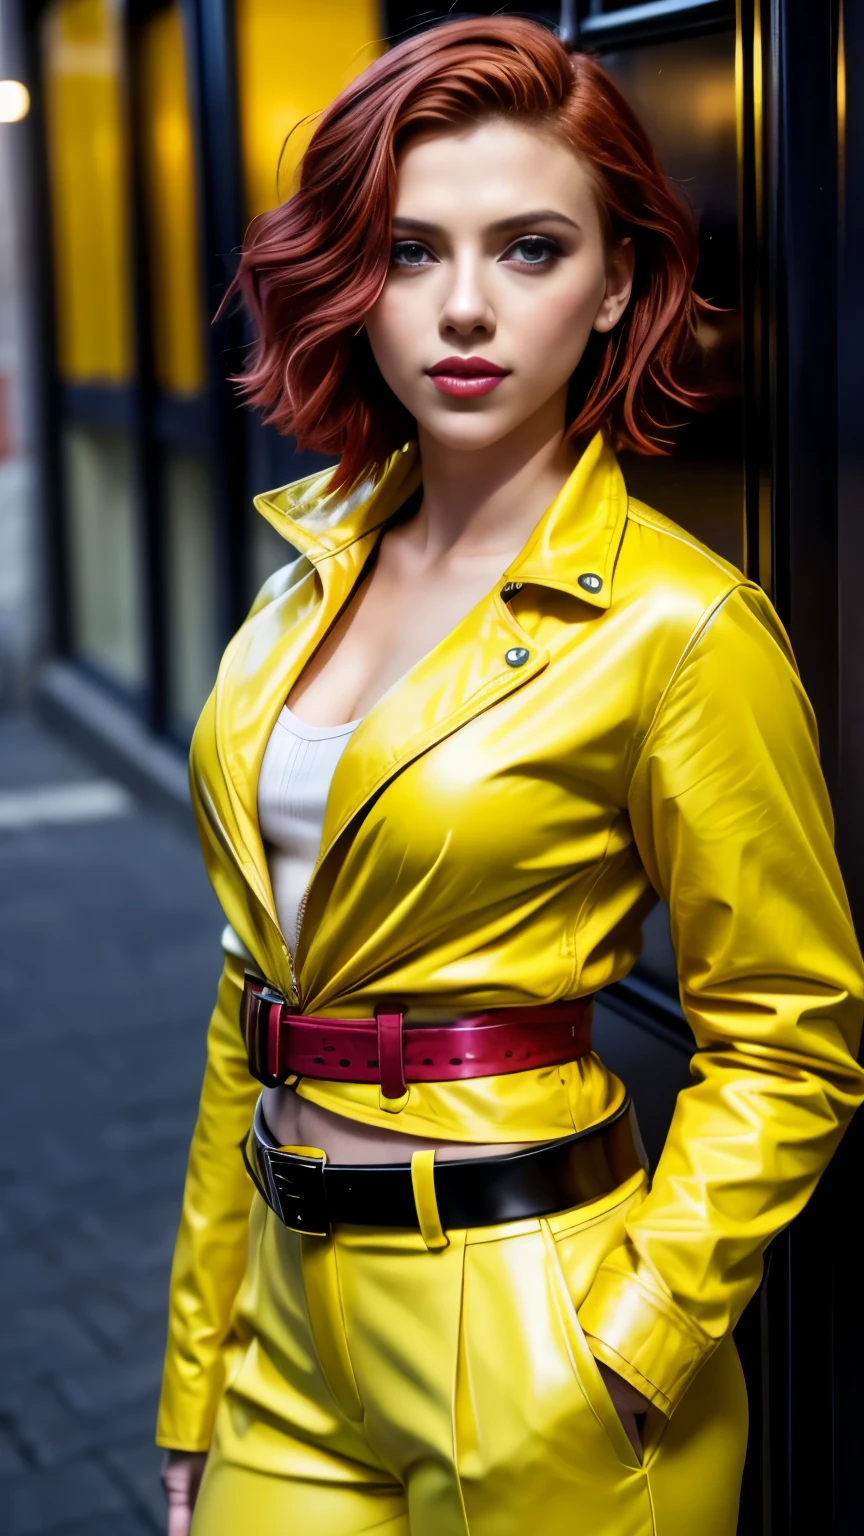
(261, 1024)
(296, 1188)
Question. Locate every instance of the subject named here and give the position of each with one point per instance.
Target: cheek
(553, 330)
(567, 307)
(393, 325)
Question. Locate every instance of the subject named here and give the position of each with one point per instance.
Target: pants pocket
(539, 1445)
(585, 1367)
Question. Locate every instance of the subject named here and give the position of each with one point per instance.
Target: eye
(533, 251)
(410, 253)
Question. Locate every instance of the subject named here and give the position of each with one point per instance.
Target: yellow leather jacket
(494, 836)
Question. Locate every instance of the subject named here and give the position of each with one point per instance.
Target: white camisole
(298, 764)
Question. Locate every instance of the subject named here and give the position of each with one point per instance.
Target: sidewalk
(109, 959)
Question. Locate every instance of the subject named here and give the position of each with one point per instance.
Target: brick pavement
(108, 966)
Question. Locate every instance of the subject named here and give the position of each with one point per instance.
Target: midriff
(477, 1117)
(294, 1121)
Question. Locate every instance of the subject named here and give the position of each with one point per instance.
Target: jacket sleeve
(732, 821)
(210, 1256)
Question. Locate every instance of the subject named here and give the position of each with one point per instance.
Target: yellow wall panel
(89, 177)
(293, 57)
(169, 188)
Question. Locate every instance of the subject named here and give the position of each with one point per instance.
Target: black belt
(309, 1194)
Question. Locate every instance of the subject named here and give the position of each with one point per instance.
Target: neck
(486, 501)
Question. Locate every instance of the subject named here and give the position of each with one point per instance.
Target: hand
(181, 1478)
(629, 1405)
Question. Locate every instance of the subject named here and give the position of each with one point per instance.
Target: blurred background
(137, 139)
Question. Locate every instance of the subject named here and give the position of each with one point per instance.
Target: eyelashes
(539, 251)
(405, 253)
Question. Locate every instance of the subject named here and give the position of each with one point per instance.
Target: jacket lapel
(271, 649)
(466, 673)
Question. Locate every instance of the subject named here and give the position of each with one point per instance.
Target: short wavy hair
(312, 269)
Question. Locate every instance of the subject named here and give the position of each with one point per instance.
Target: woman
(460, 746)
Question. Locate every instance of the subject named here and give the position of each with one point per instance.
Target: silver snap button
(516, 656)
(590, 582)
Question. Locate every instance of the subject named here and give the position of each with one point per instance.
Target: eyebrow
(501, 226)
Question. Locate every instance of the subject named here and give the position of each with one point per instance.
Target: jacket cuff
(187, 1410)
(639, 1332)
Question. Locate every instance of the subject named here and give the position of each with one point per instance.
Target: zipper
(300, 915)
(294, 984)
(295, 994)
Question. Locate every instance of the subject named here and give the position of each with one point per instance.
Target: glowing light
(14, 101)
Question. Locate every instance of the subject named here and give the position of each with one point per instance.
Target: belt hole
(319, 1060)
(455, 1061)
(427, 1061)
(344, 1063)
(373, 1062)
(508, 1053)
(329, 1047)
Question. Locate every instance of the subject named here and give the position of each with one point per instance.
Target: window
(188, 538)
(293, 58)
(88, 171)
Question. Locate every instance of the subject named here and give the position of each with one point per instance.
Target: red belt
(280, 1043)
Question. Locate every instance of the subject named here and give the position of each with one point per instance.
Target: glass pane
(105, 574)
(293, 57)
(606, 7)
(193, 645)
(684, 93)
(88, 177)
(169, 191)
(403, 16)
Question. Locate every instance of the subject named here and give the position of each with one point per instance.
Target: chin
(466, 433)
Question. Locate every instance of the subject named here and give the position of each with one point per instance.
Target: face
(499, 272)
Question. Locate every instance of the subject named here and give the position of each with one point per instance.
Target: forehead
(489, 171)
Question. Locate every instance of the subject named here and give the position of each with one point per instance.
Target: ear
(620, 264)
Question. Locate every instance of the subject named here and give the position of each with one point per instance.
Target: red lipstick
(466, 377)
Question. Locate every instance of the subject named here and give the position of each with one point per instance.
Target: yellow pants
(380, 1386)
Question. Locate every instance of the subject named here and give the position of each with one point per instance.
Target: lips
(467, 368)
(466, 377)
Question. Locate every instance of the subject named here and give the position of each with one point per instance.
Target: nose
(467, 310)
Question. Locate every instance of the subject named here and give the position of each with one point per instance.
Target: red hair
(311, 270)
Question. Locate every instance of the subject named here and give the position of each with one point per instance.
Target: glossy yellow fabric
(494, 836)
(376, 1386)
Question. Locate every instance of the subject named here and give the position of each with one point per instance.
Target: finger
(179, 1519)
